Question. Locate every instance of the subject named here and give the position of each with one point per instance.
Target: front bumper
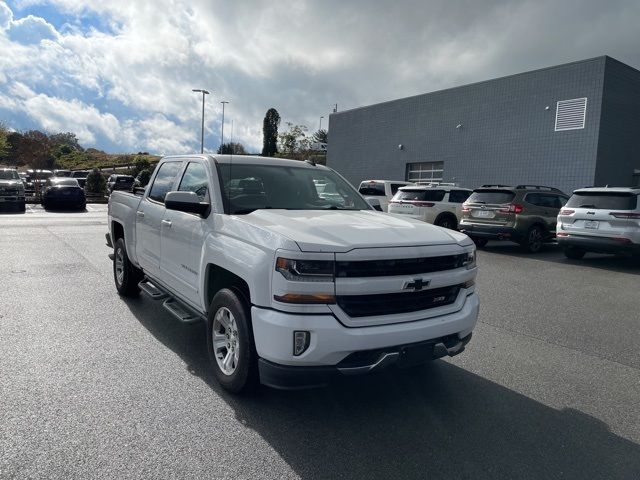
(490, 232)
(331, 342)
(13, 199)
(287, 377)
(598, 244)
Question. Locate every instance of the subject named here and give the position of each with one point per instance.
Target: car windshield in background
(604, 200)
(252, 187)
(67, 182)
(491, 196)
(9, 175)
(372, 189)
(419, 195)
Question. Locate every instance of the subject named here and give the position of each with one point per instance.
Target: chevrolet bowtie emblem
(416, 285)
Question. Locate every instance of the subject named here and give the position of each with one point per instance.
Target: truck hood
(341, 231)
(10, 183)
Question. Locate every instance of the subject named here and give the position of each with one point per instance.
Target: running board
(174, 307)
(150, 289)
(171, 304)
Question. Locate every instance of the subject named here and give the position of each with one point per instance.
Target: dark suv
(525, 214)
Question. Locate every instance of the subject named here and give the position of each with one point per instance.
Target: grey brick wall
(619, 146)
(507, 135)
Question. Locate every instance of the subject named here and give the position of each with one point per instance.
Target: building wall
(507, 135)
(619, 146)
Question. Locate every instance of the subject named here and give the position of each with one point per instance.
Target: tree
(321, 136)
(35, 150)
(294, 143)
(270, 133)
(4, 141)
(140, 163)
(232, 148)
(95, 182)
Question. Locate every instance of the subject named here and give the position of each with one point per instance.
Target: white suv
(602, 220)
(438, 204)
(378, 192)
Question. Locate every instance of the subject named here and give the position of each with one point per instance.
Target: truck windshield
(246, 188)
(9, 175)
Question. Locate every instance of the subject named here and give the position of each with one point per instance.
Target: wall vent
(571, 114)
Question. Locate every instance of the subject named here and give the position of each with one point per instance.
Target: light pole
(204, 92)
(222, 134)
(320, 124)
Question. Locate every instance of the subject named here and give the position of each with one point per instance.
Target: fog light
(300, 342)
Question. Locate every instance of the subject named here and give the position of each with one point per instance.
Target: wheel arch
(217, 278)
(450, 215)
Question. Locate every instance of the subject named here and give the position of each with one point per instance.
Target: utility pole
(224, 102)
(204, 92)
(335, 108)
(320, 128)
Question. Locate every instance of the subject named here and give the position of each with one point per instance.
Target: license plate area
(592, 224)
(483, 214)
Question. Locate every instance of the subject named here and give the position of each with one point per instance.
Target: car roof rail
(495, 185)
(538, 187)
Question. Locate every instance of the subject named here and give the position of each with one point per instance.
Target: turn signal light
(513, 208)
(305, 299)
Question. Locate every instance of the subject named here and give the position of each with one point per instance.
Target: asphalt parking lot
(93, 386)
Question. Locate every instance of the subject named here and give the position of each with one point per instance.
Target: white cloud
(298, 56)
(31, 30)
(6, 16)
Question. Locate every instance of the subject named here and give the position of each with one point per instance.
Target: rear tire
(480, 242)
(573, 253)
(447, 221)
(230, 343)
(534, 241)
(125, 275)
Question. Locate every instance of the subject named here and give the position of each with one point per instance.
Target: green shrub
(144, 176)
(96, 183)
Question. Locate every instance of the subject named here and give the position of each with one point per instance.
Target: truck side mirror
(187, 202)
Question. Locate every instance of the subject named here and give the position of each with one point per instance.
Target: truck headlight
(470, 260)
(306, 270)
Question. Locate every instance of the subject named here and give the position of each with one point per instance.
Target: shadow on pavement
(553, 253)
(437, 422)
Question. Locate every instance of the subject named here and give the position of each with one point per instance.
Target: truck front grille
(393, 303)
(398, 266)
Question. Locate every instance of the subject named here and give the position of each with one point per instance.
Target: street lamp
(204, 92)
(320, 124)
(222, 134)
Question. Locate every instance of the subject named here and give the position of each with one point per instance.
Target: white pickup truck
(295, 288)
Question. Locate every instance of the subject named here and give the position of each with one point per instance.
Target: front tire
(574, 253)
(230, 342)
(125, 275)
(480, 242)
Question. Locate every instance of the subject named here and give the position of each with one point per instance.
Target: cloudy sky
(119, 73)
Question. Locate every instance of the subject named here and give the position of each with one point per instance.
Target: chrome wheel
(119, 263)
(226, 345)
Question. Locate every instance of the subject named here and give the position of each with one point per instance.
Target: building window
(425, 172)
(571, 114)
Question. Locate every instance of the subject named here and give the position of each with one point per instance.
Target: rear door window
(604, 200)
(488, 196)
(420, 195)
(165, 178)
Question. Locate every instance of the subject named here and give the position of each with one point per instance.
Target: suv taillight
(513, 208)
(628, 215)
(567, 211)
(466, 208)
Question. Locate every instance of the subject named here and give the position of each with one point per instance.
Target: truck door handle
(167, 223)
(140, 214)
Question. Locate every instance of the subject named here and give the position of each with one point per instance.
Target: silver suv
(11, 189)
(602, 220)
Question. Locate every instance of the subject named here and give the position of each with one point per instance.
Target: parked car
(62, 173)
(120, 182)
(63, 192)
(601, 220)
(525, 214)
(438, 204)
(294, 289)
(12, 190)
(80, 176)
(379, 192)
(37, 179)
